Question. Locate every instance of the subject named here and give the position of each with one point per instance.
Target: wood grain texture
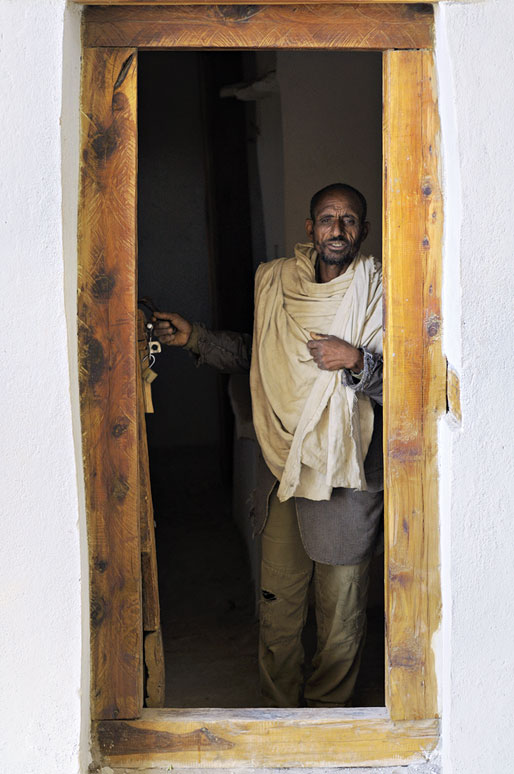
(264, 738)
(106, 309)
(414, 388)
(354, 26)
(151, 610)
(150, 583)
(155, 687)
(142, 3)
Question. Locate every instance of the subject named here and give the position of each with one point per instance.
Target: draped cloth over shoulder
(313, 431)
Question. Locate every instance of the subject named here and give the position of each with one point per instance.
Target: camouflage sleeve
(227, 351)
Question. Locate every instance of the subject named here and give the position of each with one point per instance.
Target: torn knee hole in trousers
(268, 595)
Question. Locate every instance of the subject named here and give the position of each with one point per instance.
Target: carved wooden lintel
(368, 27)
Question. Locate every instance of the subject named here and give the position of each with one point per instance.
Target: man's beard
(343, 260)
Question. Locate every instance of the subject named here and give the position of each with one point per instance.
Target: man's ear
(309, 228)
(365, 230)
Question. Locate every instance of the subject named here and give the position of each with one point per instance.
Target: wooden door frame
(407, 729)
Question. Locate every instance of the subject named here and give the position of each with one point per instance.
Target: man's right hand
(165, 333)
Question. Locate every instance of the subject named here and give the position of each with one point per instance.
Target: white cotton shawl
(313, 431)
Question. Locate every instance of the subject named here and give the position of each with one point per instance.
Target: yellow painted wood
(366, 27)
(107, 346)
(414, 379)
(264, 738)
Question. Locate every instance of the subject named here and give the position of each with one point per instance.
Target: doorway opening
(119, 531)
(231, 147)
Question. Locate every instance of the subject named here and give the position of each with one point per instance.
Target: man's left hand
(331, 353)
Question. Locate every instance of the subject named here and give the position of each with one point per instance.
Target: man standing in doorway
(316, 384)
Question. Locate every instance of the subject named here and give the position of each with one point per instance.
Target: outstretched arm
(227, 351)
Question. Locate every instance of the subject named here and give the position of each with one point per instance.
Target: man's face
(337, 230)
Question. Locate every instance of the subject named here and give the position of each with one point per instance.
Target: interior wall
(270, 157)
(321, 124)
(173, 240)
(332, 132)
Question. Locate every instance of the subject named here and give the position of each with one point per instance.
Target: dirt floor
(207, 600)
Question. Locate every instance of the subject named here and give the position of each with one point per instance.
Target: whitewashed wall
(41, 631)
(43, 625)
(476, 68)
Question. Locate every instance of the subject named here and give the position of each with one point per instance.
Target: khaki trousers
(340, 603)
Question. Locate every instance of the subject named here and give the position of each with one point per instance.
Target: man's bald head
(337, 226)
(349, 190)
